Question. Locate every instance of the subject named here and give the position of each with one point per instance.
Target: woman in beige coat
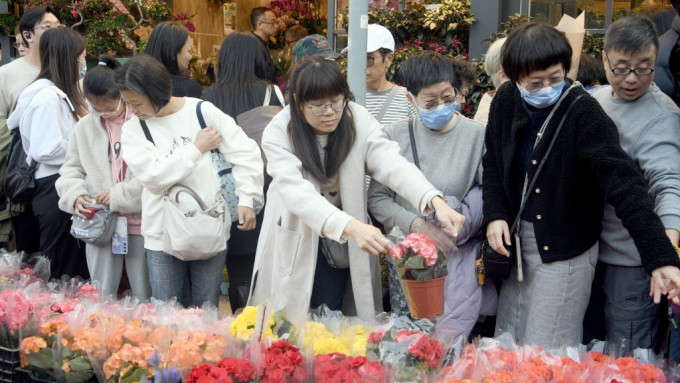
(95, 173)
(319, 150)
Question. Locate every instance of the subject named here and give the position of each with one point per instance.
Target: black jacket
(183, 86)
(586, 165)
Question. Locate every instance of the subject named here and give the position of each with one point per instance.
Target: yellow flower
(355, 338)
(244, 325)
(329, 345)
(32, 344)
(66, 367)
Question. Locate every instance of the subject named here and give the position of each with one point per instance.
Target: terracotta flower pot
(425, 299)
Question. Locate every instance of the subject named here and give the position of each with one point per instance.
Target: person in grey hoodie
(448, 148)
(45, 114)
(648, 123)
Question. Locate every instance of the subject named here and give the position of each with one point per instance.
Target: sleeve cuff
(425, 205)
(335, 226)
(404, 219)
(670, 221)
(245, 201)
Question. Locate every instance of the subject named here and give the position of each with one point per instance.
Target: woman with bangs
(579, 166)
(316, 242)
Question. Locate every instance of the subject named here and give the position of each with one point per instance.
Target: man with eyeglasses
(14, 77)
(384, 100)
(649, 130)
(265, 27)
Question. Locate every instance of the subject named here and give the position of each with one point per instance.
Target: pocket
(282, 248)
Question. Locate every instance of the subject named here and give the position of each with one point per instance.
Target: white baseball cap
(377, 37)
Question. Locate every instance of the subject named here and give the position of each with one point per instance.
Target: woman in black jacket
(240, 87)
(561, 221)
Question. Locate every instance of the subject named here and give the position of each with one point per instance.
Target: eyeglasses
(112, 113)
(48, 25)
(320, 109)
(626, 71)
(535, 87)
(19, 45)
(434, 103)
(370, 60)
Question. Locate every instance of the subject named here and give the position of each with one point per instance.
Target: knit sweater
(649, 129)
(173, 158)
(586, 166)
(451, 161)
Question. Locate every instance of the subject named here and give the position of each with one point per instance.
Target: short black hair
(676, 5)
(143, 74)
(534, 46)
(256, 14)
(425, 68)
(32, 17)
(632, 34)
(590, 71)
(383, 52)
(100, 81)
(465, 73)
(165, 43)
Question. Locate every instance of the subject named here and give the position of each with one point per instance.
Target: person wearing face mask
(580, 166)
(448, 148)
(95, 173)
(45, 114)
(465, 76)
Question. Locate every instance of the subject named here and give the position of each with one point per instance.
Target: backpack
(255, 120)
(19, 183)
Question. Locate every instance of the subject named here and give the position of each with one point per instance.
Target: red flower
(427, 350)
(240, 370)
(376, 336)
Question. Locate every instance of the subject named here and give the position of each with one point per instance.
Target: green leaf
(81, 363)
(130, 341)
(415, 263)
(78, 376)
(136, 376)
(423, 275)
(42, 360)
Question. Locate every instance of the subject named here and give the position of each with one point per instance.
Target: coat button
(539, 135)
(546, 248)
(534, 162)
(538, 190)
(539, 217)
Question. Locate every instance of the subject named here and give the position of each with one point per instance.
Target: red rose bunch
(228, 370)
(338, 368)
(282, 363)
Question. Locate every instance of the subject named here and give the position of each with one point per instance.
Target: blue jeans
(329, 284)
(674, 350)
(167, 276)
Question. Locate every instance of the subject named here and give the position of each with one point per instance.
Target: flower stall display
(238, 370)
(412, 355)
(351, 340)
(422, 271)
(282, 362)
(339, 368)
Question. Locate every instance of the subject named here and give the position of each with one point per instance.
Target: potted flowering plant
(422, 270)
(238, 370)
(282, 362)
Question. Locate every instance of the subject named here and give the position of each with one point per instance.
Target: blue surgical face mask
(83, 69)
(459, 107)
(438, 118)
(544, 97)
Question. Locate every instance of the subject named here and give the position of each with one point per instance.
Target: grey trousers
(107, 268)
(547, 308)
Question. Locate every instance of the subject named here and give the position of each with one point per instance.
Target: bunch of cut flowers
(339, 368)
(412, 355)
(226, 370)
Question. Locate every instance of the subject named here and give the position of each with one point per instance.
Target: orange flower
(32, 344)
(54, 327)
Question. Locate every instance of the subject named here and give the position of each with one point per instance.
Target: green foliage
(507, 26)
(593, 44)
(453, 49)
(477, 90)
(416, 22)
(7, 24)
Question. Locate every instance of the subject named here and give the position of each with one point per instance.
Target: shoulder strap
(413, 142)
(267, 96)
(526, 194)
(279, 95)
(199, 114)
(145, 128)
(386, 104)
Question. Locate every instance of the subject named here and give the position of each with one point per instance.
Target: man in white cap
(386, 101)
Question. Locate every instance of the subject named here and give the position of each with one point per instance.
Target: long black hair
(60, 49)
(241, 70)
(165, 43)
(315, 78)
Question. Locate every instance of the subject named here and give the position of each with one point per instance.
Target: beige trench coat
(296, 212)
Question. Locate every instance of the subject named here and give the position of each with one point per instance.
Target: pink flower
(397, 251)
